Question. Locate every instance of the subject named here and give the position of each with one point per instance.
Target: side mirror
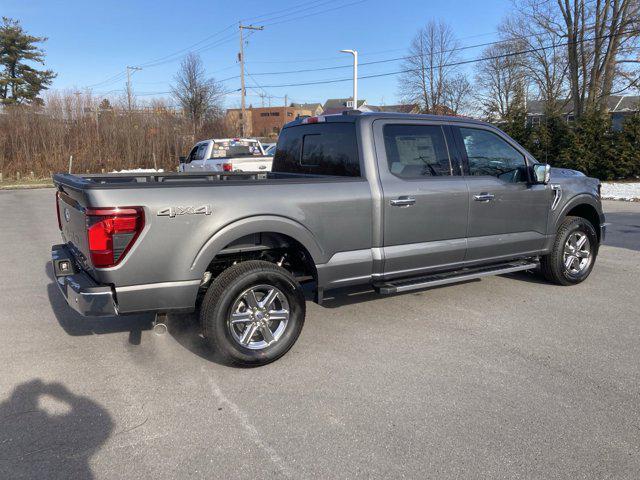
(182, 159)
(541, 173)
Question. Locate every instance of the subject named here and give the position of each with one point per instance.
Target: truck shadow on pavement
(75, 324)
(185, 329)
(46, 431)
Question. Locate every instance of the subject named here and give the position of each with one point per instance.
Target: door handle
(403, 202)
(484, 197)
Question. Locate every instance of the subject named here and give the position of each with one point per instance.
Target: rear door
(507, 215)
(425, 197)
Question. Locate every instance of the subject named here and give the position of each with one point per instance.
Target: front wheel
(574, 252)
(253, 313)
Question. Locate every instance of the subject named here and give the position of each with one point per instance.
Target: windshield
(235, 149)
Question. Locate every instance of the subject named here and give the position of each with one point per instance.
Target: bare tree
(544, 58)
(500, 78)
(601, 35)
(428, 67)
(457, 93)
(198, 96)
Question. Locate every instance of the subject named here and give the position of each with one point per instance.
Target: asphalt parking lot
(505, 377)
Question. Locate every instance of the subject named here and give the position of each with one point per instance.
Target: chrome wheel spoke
(248, 334)
(279, 315)
(241, 317)
(268, 299)
(267, 334)
(581, 240)
(250, 299)
(568, 262)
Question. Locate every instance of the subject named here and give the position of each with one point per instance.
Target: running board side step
(436, 279)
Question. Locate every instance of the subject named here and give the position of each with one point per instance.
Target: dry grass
(38, 141)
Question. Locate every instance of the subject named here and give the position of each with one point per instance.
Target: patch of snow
(629, 191)
(139, 170)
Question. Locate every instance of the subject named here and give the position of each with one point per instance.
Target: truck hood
(574, 182)
(557, 173)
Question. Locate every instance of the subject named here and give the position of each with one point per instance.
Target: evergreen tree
(593, 150)
(19, 81)
(627, 152)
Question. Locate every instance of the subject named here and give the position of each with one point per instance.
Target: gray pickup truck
(391, 201)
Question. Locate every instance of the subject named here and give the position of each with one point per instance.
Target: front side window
(489, 154)
(192, 154)
(199, 152)
(416, 151)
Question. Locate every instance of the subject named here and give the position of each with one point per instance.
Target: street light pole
(355, 76)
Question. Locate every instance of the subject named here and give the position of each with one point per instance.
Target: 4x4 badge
(173, 211)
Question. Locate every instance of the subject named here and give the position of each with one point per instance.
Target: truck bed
(155, 180)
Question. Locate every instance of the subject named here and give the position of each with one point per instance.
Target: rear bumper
(82, 293)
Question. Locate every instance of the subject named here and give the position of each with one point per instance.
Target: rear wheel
(574, 252)
(253, 313)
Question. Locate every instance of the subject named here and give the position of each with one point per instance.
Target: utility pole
(129, 94)
(243, 92)
(355, 76)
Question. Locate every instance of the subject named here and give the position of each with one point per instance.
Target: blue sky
(91, 42)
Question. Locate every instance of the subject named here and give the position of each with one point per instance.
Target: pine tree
(592, 151)
(627, 150)
(19, 81)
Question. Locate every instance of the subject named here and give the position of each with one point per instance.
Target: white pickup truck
(227, 155)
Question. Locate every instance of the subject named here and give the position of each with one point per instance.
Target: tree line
(43, 132)
(571, 55)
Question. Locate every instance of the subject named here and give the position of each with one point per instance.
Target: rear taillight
(58, 210)
(112, 232)
(227, 167)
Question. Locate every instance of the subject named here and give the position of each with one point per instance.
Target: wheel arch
(276, 227)
(584, 206)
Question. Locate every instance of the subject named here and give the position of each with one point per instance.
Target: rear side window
(319, 149)
(416, 151)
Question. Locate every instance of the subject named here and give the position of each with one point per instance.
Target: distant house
(339, 105)
(618, 106)
(400, 108)
(314, 108)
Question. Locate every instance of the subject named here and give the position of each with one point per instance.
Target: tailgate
(252, 164)
(73, 223)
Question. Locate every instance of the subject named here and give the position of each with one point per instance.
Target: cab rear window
(319, 149)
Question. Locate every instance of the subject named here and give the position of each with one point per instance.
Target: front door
(507, 215)
(425, 198)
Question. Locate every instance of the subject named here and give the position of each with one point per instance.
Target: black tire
(225, 291)
(553, 265)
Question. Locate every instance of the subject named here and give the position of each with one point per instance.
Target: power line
(452, 64)
(315, 13)
(395, 59)
(227, 39)
(213, 35)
